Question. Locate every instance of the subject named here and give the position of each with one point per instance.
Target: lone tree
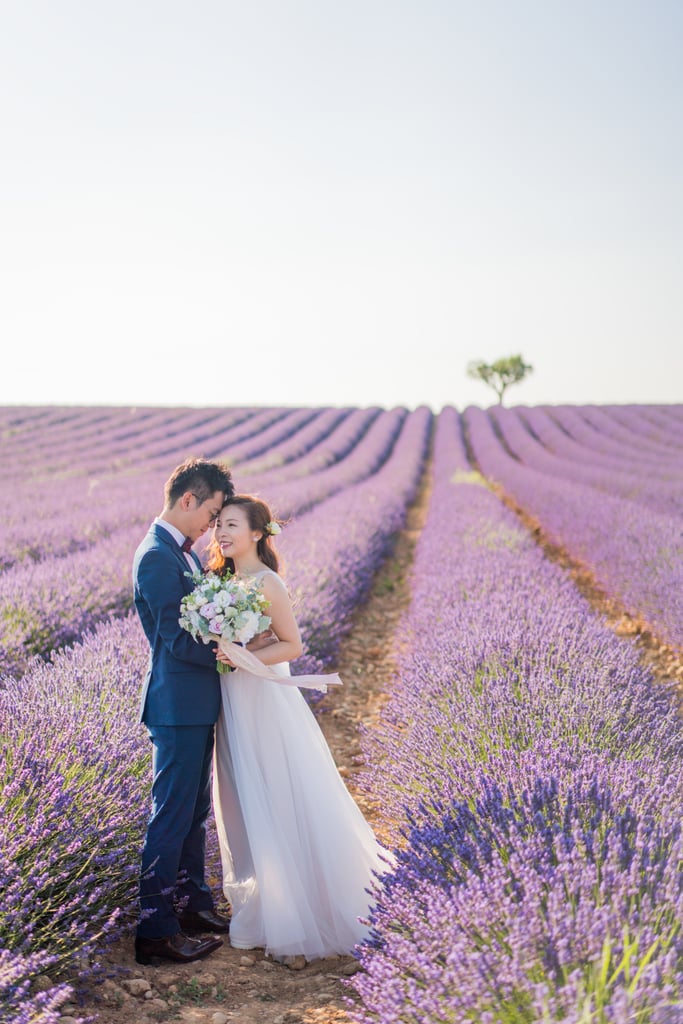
(501, 374)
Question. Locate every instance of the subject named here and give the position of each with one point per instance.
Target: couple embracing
(297, 855)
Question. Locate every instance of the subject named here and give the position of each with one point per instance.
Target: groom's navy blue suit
(180, 705)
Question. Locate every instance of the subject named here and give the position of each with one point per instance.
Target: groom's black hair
(200, 476)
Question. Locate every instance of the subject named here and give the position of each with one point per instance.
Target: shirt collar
(177, 535)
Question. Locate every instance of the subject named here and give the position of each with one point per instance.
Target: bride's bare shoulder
(270, 581)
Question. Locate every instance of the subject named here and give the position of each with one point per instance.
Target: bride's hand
(264, 639)
(223, 657)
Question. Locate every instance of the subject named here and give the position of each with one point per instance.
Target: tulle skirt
(298, 857)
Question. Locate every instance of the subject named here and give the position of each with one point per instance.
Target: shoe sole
(193, 932)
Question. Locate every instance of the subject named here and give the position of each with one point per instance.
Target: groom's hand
(264, 639)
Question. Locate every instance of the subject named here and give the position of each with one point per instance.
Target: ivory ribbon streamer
(244, 659)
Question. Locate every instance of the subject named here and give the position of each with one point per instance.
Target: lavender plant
(51, 601)
(530, 768)
(18, 1004)
(534, 776)
(75, 767)
(635, 553)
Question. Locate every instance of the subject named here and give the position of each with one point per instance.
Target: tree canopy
(501, 374)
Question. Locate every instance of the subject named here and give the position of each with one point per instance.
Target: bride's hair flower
(273, 527)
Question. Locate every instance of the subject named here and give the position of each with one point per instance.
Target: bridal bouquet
(223, 608)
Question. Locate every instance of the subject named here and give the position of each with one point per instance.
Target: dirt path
(664, 661)
(234, 987)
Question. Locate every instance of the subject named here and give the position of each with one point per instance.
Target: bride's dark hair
(259, 518)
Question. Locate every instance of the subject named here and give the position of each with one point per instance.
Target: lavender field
(529, 766)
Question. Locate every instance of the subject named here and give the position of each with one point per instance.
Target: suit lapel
(170, 542)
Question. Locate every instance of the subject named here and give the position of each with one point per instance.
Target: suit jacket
(182, 685)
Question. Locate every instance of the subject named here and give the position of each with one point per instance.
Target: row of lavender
(621, 431)
(75, 773)
(96, 444)
(92, 470)
(321, 611)
(538, 774)
(633, 542)
(50, 602)
(564, 443)
(43, 441)
(70, 443)
(101, 490)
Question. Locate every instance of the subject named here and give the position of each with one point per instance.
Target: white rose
(247, 625)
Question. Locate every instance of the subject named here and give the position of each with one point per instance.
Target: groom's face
(201, 515)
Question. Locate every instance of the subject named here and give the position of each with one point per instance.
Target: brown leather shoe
(203, 921)
(178, 947)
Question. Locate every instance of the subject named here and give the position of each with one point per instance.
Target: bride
(298, 857)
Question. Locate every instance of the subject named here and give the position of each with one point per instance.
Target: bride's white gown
(297, 854)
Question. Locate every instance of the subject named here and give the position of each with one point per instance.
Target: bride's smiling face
(233, 533)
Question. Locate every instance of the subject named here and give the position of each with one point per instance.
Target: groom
(180, 705)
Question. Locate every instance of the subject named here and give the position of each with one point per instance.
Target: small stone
(268, 965)
(219, 1017)
(136, 986)
(351, 968)
(159, 1005)
(206, 978)
(248, 961)
(165, 978)
(67, 1019)
(109, 991)
(295, 963)
(42, 983)
(150, 993)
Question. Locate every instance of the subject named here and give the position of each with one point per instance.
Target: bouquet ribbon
(244, 659)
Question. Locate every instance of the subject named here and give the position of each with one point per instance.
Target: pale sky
(340, 202)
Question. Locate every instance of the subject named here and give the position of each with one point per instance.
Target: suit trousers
(175, 845)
